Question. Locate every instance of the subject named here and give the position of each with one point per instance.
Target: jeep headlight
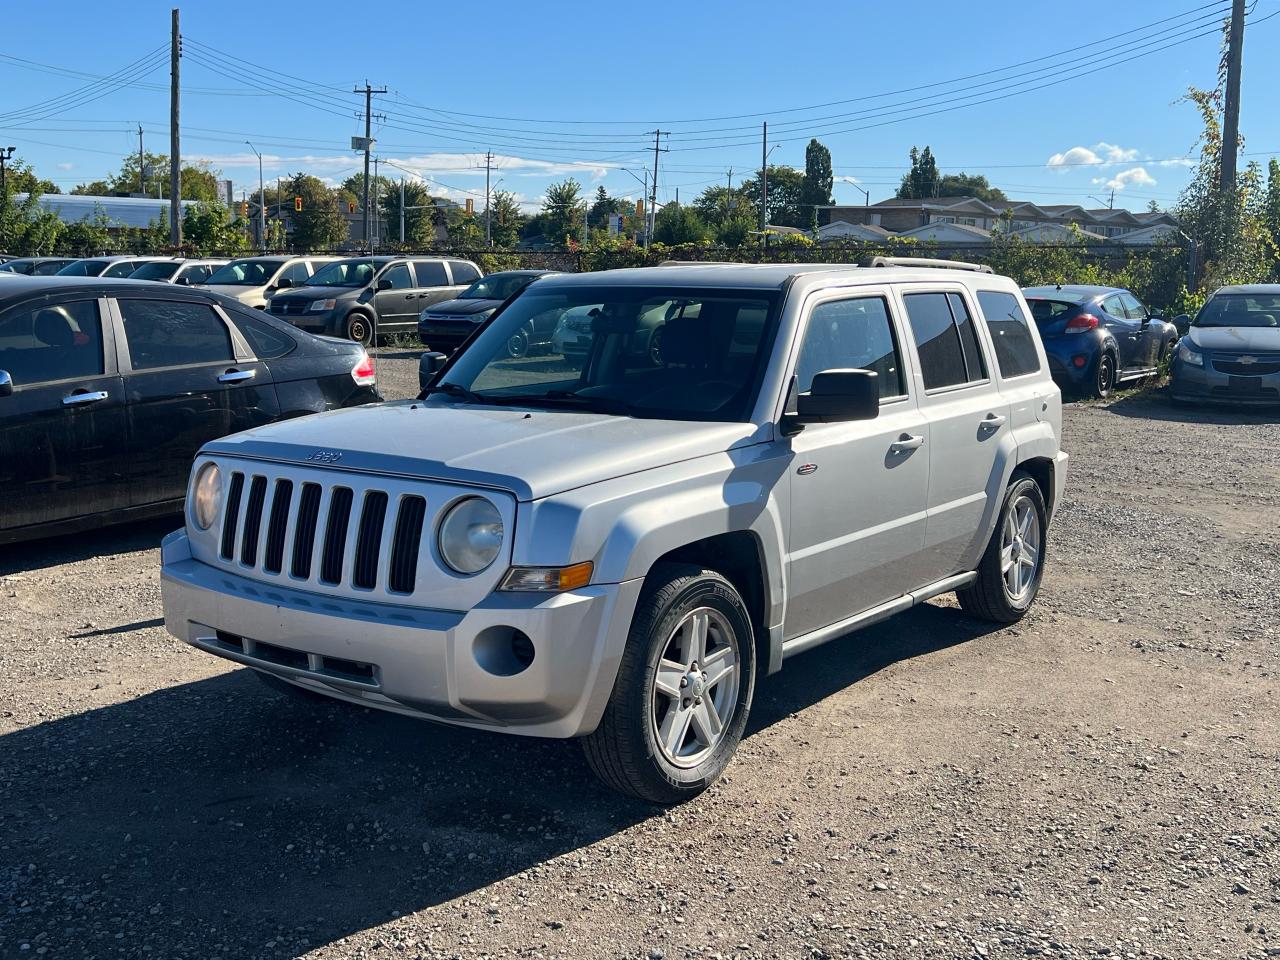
(1187, 353)
(206, 497)
(320, 306)
(470, 535)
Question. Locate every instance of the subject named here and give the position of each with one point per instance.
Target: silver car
(604, 547)
(1231, 352)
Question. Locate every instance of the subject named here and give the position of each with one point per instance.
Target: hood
(250, 295)
(462, 308)
(533, 453)
(317, 293)
(1237, 339)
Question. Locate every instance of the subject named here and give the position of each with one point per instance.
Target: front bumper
(1205, 384)
(453, 667)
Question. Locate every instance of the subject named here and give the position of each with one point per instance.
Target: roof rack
(926, 262)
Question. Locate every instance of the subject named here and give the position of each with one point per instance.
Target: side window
(974, 361)
(1132, 308)
(1015, 347)
(296, 273)
(937, 340)
(463, 272)
(852, 334)
(431, 273)
(398, 276)
(51, 342)
(1113, 306)
(266, 341)
(170, 333)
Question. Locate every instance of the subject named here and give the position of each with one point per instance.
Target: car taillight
(363, 374)
(1081, 323)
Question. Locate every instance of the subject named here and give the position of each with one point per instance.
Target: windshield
(1241, 310)
(344, 273)
(693, 354)
(154, 271)
(497, 286)
(245, 273)
(82, 268)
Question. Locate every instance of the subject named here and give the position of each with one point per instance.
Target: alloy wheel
(695, 687)
(1020, 548)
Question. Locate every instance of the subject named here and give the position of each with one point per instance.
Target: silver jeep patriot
(615, 542)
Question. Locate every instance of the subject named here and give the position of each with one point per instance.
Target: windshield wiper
(454, 390)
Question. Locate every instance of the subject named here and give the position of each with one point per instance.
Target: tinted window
(154, 271)
(1015, 348)
(296, 273)
(267, 342)
(82, 268)
(851, 334)
(397, 276)
(48, 268)
(1132, 308)
(196, 274)
(245, 273)
(463, 272)
(937, 340)
(168, 333)
(51, 342)
(1240, 310)
(1114, 307)
(974, 361)
(430, 273)
(121, 268)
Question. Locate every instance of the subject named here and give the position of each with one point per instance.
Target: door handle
(994, 420)
(410, 296)
(237, 376)
(88, 396)
(906, 442)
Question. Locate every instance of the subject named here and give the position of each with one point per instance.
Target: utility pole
(142, 165)
(175, 141)
(368, 92)
(402, 211)
(764, 185)
(262, 201)
(6, 154)
(488, 218)
(1231, 112)
(653, 187)
(376, 218)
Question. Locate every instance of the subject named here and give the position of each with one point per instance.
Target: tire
(298, 694)
(358, 327)
(655, 348)
(518, 345)
(992, 596)
(626, 750)
(1104, 376)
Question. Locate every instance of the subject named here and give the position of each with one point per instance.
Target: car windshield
(497, 286)
(344, 273)
(682, 354)
(252, 272)
(82, 268)
(1241, 310)
(154, 271)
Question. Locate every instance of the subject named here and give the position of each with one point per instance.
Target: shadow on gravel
(72, 547)
(216, 816)
(1158, 405)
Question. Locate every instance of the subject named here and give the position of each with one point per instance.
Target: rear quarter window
(265, 340)
(1010, 330)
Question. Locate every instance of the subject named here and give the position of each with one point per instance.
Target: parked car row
(178, 270)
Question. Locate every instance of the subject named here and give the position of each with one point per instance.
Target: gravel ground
(1098, 780)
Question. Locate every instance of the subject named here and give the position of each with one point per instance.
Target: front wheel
(683, 692)
(359, 327)
(1010, 571)
(518, 344)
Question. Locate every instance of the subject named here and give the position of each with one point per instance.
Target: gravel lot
(1099, 780)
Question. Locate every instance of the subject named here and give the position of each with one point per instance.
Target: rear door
(967, 419)
(434, 283)
(189, 377)
(62, 430)
(398, 304)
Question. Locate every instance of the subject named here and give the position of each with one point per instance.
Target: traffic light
(297, 204)
(351, 206)
(640, 209)
(471, 207)
(244, 210)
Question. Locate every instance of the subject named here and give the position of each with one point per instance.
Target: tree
(506, 218)
(25, 228)
(676, 224)
(563, 209)
(208, 229)
(923, 180)
(419, 222)
(718, 205)
(785, 188)
(815, 191)
(21, 178)
(199, 180)
(319, 225)
(1271, 206)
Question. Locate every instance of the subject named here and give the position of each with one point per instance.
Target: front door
(968, 422)
(62, 433)
(858, 490)
(189, 380)
(397, 304)
(1126, 332)
(1146, 342)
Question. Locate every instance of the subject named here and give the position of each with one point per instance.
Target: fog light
(1080, 360)
(547, 579)
(503, 651)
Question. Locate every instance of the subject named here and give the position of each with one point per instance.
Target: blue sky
(562, 89)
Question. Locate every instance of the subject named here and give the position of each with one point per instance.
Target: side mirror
(1181, 323)
(838, 396)
(384, 284)
(6, 384)
(429, 364)
(183, 282)
(283, 283)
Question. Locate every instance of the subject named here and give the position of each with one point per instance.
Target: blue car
(1098, 337)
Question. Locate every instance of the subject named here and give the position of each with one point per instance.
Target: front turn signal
(547, 579)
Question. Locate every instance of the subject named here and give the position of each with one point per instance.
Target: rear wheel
(518, 344)
(1104, 377)
(683, 692)
(1010, 571)
(359, 327)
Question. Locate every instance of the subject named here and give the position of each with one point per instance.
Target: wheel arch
(1041, 470)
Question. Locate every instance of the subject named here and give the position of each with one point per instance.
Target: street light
(262, 201)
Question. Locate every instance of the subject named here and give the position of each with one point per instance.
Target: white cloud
(847, 180)
(1177, 162)
(66, 166)
(1133, 177)
(1101, 154)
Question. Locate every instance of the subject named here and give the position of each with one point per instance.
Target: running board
(866, 618)
(1137, 374)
